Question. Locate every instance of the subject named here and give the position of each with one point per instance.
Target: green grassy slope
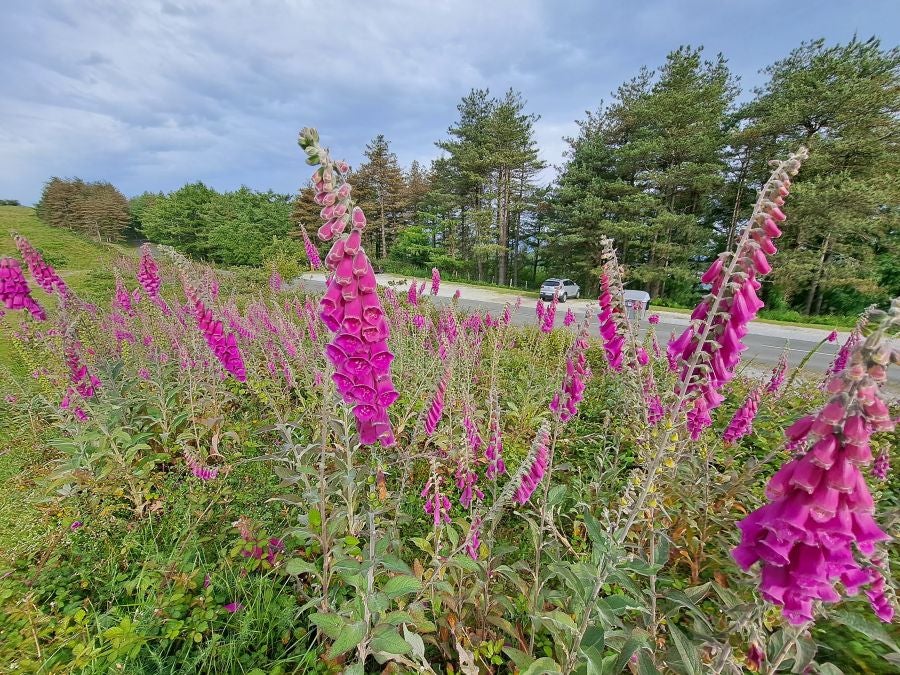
(87, 267)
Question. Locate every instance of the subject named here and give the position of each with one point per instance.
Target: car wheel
(563, 297)
(577, 294)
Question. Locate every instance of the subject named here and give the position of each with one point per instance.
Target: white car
(565, 288)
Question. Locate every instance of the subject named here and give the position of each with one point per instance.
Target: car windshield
(551, 282)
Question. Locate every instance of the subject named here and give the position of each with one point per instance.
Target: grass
(85, 264)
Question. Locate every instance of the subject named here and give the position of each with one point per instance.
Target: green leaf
(518, 657)
(829, 669)
(390, 641)
(631, 645)
(394, 564)
(401, 585)
(351, 635)
(689, 657)
(315, 518)
(592, 645)
(466, 563)
(645, 664)
(542, 666)
(557, 494)
(867, 627)
(297, 566)
(330, 624)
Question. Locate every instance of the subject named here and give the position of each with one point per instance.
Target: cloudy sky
(150, 95)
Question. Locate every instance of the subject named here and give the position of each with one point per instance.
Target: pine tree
(843, 102)
(379, 187)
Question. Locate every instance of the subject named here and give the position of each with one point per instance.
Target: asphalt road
(765, 343)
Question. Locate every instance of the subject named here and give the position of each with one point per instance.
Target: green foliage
(96, 209)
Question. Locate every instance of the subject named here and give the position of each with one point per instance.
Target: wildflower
(76, 525)
(494, 451)
(882, 466)
(412, 295)
(144, 374)
(148, 273)
(569, 319)
(820, 509)
(275, 281)
(197, 467)
(843, 354)
(419, 321)
(122, 299)
(207, 581)
(832, 336)
(540, 459)
(14, 291)
(350, 307)
(437, 505)
(312, 253)
(223, 345)
(233, 607)
(742, 422)
(549, 317)
(473, 541)
(539, 312)
(778, 374)
(653, 319)
(436, 407)
(435, 280)
(565, 402)
(755, 657)
(456, 295)
(707, 352)
(43, 274)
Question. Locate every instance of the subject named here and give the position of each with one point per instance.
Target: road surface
(765, 342)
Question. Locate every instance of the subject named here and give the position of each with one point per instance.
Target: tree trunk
(383, 230)
(503, 226)
(814, 286)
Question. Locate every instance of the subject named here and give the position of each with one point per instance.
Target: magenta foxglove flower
(610, 319)
(76, 525)
(832, 336)
(233, 607)
(539, 312)
(473, 541)
(312, 253)
(351, 308)
(708, 351)
(148, 273)
(653, 319)
(778, 374)
(437, 505)
(199, 469)
(436, 407)
(122, 299)
(535, 466)
(882, 466)
(223, 345)
(569, 318)
(494, 451)
(43, 274)
(565, 402)
(435, 280)
(412, 295)
(843, 355)
(14, 291)
(819, 519)
(275, 282)
(742, 422)
(549, 318)
(418, 321)
(456, 295)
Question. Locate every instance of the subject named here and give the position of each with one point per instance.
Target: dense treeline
(668, 168)
(98, 209)
(231, 228)
(9, 202)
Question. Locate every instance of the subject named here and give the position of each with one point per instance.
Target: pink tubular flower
(412, 295)
(275, 282)
(351, 308)
(832, 336)
(843, 355)
(882, 466)
(610, 319)
(549, 318)
(565, 402)
(456, 294)
(742, 422)
(199, 469)
(223, 345)
(473, 541)
(778, 374)
(148, 273)
(533, 472)
(820, 513)
(708, 351)
(43, 274)
(122, 299)
(437, 504)
(435, 280)
(494, 451)
(233, 607)
(539, 312)
(436, 407)
(653, 319)
(569, 318)
(14, 291)
(312, 253)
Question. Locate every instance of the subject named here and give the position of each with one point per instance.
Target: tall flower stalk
(351, 308)
(819, 516)
(708, 351)
(14, 290)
